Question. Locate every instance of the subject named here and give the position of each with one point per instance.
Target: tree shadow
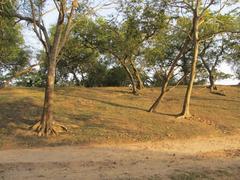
(169, 114)
(18, 114)
(113, 91)
(105, 102)
(115, 104)
(214, 99)
(84, 117)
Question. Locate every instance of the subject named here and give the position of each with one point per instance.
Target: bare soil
(195, 158)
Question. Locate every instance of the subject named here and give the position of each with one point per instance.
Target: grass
(204, 174)
(113, 115)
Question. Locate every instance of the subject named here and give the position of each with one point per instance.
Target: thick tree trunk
(212, 85)
(137, 76)
(47, 115)
(211, 81)
(46, 126)
(186, 105)
(134, 89)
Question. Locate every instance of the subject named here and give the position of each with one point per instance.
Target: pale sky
(34, 44)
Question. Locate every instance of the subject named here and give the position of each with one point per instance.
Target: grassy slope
(112, 115)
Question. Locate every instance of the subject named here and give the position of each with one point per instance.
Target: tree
(124, 40)
(14, 57)
(211, 56)
(116, 76)
(232, 52)
(182, 49)
(199, 12)
(53, 47)
(77, 60)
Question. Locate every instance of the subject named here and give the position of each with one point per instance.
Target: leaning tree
(198, 11)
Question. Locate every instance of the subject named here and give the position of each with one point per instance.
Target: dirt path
(200, 158)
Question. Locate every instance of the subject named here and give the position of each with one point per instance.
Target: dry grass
(113, 115)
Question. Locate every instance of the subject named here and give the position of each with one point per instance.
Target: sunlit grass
(114, 115)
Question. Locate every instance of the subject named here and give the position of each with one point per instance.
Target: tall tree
(179, 51)
(125, 39)
(34, 16)
(199, 15)
(199, 11)
(211, 57)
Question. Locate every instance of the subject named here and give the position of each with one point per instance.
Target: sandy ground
(199, 158)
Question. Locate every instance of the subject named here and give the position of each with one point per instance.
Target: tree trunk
(210, 75)
(169, 75)
(46, 126)
(137, 76)
(158, 100)
(212, 85)
(186, 105)
(47, 115)
(185, 70)
(134, 89)
(78, 83)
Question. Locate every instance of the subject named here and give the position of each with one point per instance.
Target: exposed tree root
(220, 93)
(151, 110)
(184, 116)
(136, 93)
(43, 129)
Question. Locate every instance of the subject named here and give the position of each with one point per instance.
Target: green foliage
(13, 55)
(116, 76)
(96, 76)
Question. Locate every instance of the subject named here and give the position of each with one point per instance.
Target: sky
(34, 44)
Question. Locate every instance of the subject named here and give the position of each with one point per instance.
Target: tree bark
(45, 126)
(47, 115)
(186, 105)
(158, 100)
(134, 88)
(185, 70)
(78, 83)
(136, 73)
(212, 85)
(210, 75)
(169, 75)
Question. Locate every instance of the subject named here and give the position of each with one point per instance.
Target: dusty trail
(199, 158)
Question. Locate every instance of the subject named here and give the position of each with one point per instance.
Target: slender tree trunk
(169, 75)
(76, 78)
(134, 89)
(186, 105)
(164, 90)
(185, 70)
(212, 85)
(158, 100)
(211, 78)
(137, 76)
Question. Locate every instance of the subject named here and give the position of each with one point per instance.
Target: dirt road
(200, 158)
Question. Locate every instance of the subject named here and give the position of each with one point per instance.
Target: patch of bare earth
(195, 158)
